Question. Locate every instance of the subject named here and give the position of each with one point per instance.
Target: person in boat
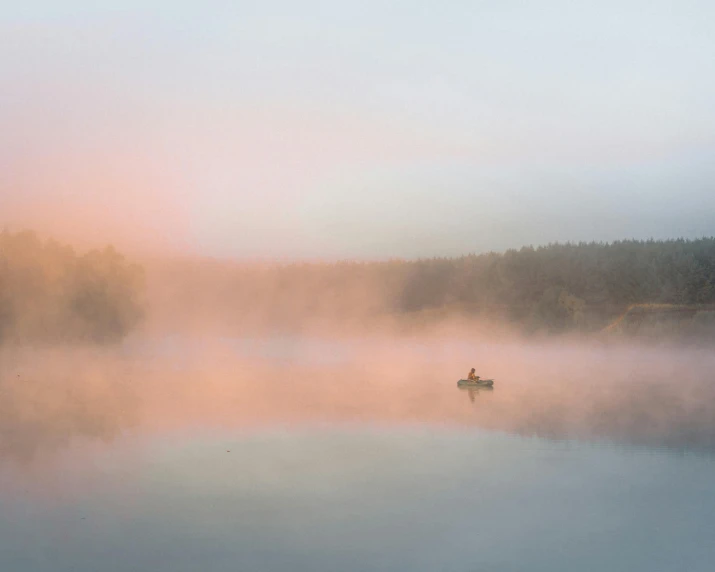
(473, 376)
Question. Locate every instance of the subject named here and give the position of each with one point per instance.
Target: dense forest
(559, 287)
(565, 286)
(49, 293)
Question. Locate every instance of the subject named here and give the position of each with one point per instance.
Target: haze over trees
(564, 286)
(49, 293)
(554, 288)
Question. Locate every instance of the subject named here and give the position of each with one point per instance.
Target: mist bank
(645, 288)
(662, 289)
(49, 293)
(623, 393)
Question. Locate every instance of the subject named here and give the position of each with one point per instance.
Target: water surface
(306, 454)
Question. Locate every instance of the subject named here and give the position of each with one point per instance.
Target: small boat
(475, 383)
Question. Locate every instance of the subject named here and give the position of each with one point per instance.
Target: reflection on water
(475, 391)
(388, 498)
(629, 395)
(294, 454)
(45, 403)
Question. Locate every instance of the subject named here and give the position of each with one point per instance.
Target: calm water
(290, 454)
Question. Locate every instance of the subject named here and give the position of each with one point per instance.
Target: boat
(475, 383)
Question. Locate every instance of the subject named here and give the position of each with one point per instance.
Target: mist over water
(306, 417)
(316, 453)
(400, 193)
(564, 390)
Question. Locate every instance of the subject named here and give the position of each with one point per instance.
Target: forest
(553, 288)
(48, 292)
(570, 286)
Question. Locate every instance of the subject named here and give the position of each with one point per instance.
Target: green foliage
(49, 293)
(557, 287)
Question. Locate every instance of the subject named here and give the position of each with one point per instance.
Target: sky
(325, 130)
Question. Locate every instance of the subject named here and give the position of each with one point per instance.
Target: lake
(306, 454)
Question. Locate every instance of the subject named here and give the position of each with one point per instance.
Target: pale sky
(310, 129)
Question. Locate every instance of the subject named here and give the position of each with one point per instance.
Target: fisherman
(472, 376)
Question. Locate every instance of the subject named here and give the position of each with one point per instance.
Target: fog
(248, 249)
(278, 413)
(96, 347)
(559, 390)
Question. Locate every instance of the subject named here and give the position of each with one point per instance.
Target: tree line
(568, 285)
(556, 287)
(50, 293)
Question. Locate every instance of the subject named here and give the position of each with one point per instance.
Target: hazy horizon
(290, 357)
(276, 131)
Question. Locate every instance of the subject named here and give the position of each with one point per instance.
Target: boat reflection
(50, 399)
(474, 391)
